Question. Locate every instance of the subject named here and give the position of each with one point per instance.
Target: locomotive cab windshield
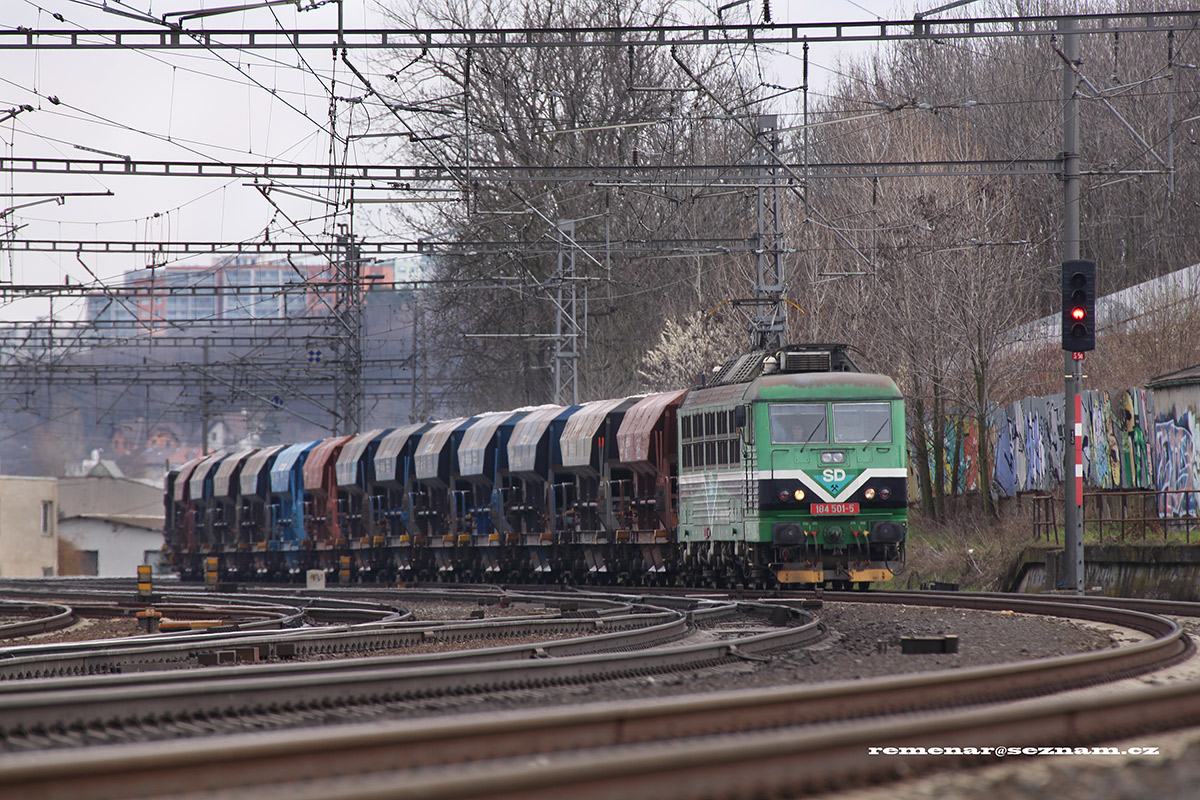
(853, 423)
(798, 423)
(862, 423)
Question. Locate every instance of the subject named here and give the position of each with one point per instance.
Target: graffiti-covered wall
(1177, 450)
(1120, 450)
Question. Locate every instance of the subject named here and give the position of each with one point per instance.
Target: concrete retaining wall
(1164, 572)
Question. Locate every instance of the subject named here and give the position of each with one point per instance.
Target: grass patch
(962, 548)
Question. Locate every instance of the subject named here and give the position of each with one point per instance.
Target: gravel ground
(851, 651)
(862, 644)
(1172, 774)
(82, 631)
(451, 610)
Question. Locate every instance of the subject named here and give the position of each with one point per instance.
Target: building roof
(105, 468)
(110, 498)
(1189, 376)
(144, 521)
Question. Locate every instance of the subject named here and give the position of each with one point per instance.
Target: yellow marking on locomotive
(800, 575)
(871, 575)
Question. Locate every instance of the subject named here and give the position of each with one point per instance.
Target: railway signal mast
(1078, 335)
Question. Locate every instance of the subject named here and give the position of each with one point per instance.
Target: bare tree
(936, 273)
(637, 249)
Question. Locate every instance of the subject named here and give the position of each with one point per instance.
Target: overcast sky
(200, 106)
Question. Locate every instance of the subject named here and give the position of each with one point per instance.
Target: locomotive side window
(862, 423)
(709, 439)
(797, 423)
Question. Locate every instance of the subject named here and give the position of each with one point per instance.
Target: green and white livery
(795, 467)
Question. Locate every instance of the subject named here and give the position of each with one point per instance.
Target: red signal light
(1078, 313)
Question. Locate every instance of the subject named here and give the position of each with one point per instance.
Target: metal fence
(1124, 516)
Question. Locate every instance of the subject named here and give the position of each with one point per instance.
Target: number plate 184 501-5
(834, 508)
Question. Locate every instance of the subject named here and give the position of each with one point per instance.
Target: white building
(28, 527)
(114, 524)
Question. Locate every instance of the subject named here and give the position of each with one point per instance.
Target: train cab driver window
(798, 423)
(862, 423)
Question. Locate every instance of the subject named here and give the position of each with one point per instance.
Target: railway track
(609, 638)
(329, 628)
(732, 744)
(28, 619)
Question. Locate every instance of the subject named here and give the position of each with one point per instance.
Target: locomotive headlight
(885, 493)
(833, 458)
(869, 494)
(799, 494)
(784, 495)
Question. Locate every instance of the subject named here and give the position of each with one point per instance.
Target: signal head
(1078, 306)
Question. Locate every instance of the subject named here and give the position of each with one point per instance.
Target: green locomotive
(798, 471)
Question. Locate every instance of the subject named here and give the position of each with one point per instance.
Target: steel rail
(258, 690)
(601, 750)
(372, 627)
(992, 600)
(115, 658)
(122, 590)
(55, 617)
(785, 762)
(376, 627)
(1181, 608)
(65, 616)
(606, 635)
